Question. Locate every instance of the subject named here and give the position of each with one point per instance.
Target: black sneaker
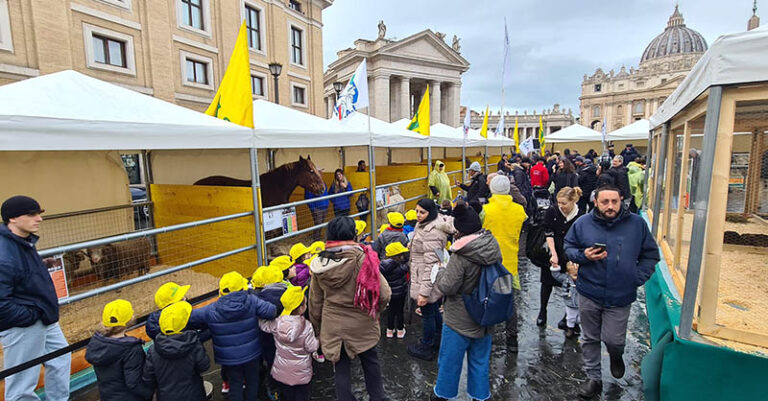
(577, 328)
(570, 332)
(512, 344)
(541, 320)
(617, 365)
(590, 388)
(433, 397)
(562, 324)
(421, 351)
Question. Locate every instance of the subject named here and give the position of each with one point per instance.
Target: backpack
(492, 301)
(362, 203)
(536, 249)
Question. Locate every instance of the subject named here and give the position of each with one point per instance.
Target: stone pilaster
(405, 97)
(434, 102)
(380, 104)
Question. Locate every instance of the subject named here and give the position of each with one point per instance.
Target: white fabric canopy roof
(68, 110)
(384, 134)
(732, 59)
(575, 133)
(637, 130)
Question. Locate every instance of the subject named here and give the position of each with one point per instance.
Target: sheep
(121, 258)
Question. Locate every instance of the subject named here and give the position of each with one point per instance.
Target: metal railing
(313, 200)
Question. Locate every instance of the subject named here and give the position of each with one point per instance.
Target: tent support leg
(256, 192)
(372, 186)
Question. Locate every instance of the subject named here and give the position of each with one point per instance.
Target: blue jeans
(21, 344)
(432, 320)
(453, 347)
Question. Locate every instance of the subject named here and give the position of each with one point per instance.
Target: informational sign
(382, 196)
(55, 267)
(284, 219)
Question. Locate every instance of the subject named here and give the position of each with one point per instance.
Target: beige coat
(332, 309)
(425, 241)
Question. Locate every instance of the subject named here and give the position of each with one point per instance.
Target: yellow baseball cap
(281, 262)
(117, 313)
(257, 279)
(411, 215)
(170, 293)
(297, 250)
(174, 318)
(383, 227)
(317, 247)
(270, 275)
(360, 227)
(396, 219)
(232, 282)
(292, 299)
(395, 248)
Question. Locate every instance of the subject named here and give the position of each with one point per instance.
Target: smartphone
(599, 246)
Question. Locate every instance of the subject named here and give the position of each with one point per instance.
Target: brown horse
(278, 184)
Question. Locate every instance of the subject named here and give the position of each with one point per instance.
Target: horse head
(308, 176)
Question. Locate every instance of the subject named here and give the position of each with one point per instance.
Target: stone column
(434, 102)
(405, 97)
(381, 97)
(453, 104)
(630, 120)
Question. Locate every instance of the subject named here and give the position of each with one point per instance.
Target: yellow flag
(484, 128)
(542, 141)
(420, 122)
(234, 99)
(517, 138)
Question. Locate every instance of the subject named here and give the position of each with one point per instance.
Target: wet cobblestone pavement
(547, 366)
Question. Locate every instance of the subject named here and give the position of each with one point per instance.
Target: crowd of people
(325, 302)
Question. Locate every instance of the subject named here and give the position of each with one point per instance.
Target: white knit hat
(500, 185)
(475, 166)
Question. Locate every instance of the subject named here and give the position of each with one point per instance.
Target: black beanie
(19, 205)
(341, 229)
(465, 219)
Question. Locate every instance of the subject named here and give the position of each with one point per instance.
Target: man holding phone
(616, 253)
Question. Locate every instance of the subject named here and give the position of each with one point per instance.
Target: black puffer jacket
(395, 273)
(174, 367)
(477, 189)
(621, 180)
(587, 180)
(118, 363)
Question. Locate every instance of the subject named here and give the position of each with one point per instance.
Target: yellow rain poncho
(439, 179)
(504, 219)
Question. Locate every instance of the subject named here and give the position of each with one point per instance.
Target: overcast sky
(554, 42)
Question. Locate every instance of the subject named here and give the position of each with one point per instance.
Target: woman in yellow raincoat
(439, 184)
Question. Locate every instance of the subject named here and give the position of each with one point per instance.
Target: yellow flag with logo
(484, 127)
(542, 141)
(516, 136)
(234, 99)
(420, 122)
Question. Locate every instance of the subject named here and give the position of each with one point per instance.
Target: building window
(196, 71)
(638, 108)
(596, 111)
(598, 87)
(621, 86)
(294, 5)
(5, 27)
(619, 110)
(640, 84)
(257, 85)
(299, 97)
(108, 50)
(192, 13)
(253, 23)
(663, 80)
(297, 46)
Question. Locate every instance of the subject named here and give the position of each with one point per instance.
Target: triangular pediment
(425, 45)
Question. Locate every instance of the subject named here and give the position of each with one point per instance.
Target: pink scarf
(368, 285)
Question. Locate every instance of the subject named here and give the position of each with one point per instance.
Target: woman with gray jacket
(474, 249)
(430, 235)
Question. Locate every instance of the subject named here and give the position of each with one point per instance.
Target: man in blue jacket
(29, 308)
(616, 253)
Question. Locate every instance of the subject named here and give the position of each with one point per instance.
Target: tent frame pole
(658, 181)
(372, 185)
(256, 193)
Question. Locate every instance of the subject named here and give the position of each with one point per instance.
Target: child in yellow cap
(393, 233)
(117, 359)
(295, 341)
(314, 250)
(168, 294)
(177, 359)
(394, 267)
(360, 234)
(233, 323)
(410, 223)
(299, 253)
(285, 264)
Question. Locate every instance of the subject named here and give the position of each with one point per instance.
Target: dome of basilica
(676, 39)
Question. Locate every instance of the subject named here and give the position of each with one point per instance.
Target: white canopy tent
(732, 59)
(575, 133)
(637, 130)
(68, 110)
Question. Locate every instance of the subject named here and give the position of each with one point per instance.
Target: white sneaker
(390, 333)
(320, 358)
(401, 333)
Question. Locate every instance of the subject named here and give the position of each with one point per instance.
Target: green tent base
(678, 369)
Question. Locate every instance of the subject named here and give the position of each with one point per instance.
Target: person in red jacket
(539, 174)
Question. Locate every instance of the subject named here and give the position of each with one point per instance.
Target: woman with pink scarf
(346, 293)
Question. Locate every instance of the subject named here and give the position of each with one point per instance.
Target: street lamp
(338, 86)
(275, 69)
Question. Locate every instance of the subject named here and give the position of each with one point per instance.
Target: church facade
(399, 72)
